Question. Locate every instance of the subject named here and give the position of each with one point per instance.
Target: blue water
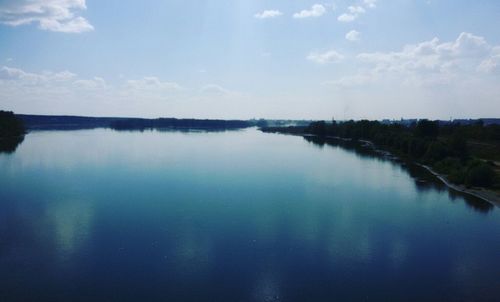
(99, 215)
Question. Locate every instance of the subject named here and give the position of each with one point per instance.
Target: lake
(100, 215)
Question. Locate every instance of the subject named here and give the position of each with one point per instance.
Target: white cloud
(347, 17)
(12, 74)
(60, 76)
(353, 35)
(330, 56)
(152, 83)
(431, 62)
(268, 14)
(76, 25)
(317, 10)
(465, 53)
(215, 90)
(433, 79)
(370, 3)
(67, 93)
(52, 15)
(492, 63)
(16, 74)
(95, 83)
(356, 9)
(46, 92)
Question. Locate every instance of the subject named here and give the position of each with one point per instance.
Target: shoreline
(481, 193)
(489, 196)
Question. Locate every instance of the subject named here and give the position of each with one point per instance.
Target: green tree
(10, 125)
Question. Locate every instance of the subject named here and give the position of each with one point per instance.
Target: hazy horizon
(255, 118)
(364, 59)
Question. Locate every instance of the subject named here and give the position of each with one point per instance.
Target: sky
(235, 59)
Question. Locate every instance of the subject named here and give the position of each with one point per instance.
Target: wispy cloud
(151, 83)
(215, 90)
(353, 35)
(64, 92)
(330, 56)
(370, 3)
(354, 11)
(91, 84)
(317, 10)
(28, 78)
(347, 17)
(268, 14)
(51, 15)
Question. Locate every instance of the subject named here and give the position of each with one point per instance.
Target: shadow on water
(359, 149)
(10, 144)
(423, 179)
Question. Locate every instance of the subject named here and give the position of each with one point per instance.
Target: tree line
(10, 125)
(11, 131)
(446, 147)
(140, 124)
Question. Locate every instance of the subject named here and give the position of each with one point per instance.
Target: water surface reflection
(99, 215)
(10, 144)
(424, 180)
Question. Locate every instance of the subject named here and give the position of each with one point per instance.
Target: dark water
(98, 215)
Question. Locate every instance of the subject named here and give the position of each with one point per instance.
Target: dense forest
(466, 154)
(62, 122)
(10, 125)
(132, 124)
(11, 131)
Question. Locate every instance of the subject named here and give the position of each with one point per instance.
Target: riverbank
(489, 196)
(481, 193)
(484, 194)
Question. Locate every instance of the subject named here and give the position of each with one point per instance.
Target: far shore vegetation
(467, 154)
(11, 131)
(10, 125)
